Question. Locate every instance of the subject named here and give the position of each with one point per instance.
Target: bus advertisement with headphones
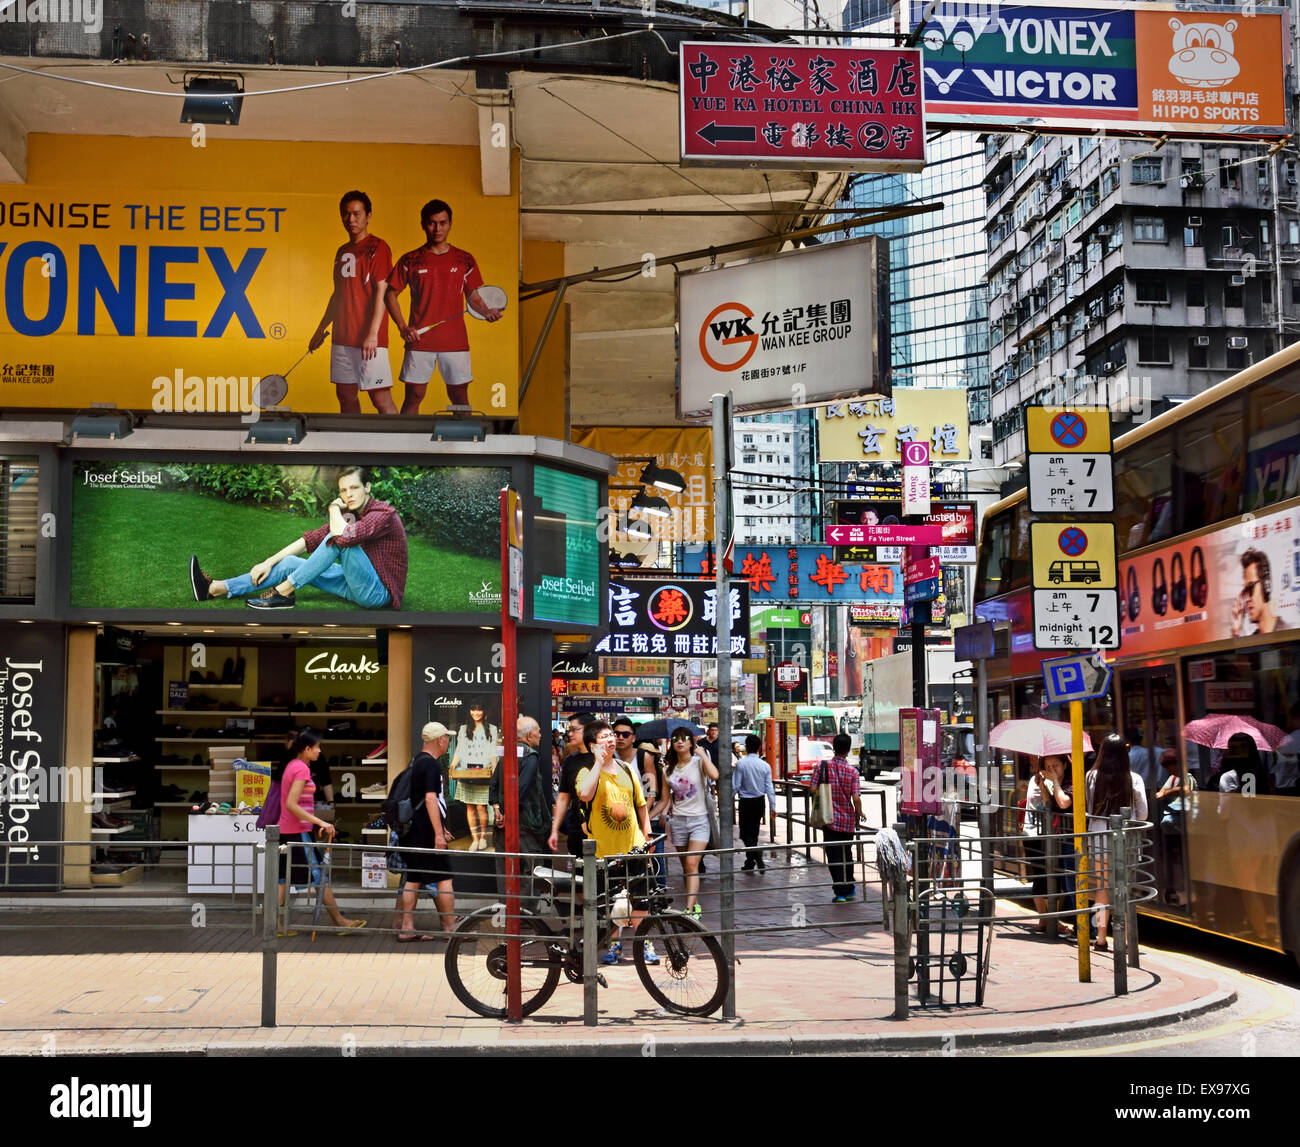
(1236, 581)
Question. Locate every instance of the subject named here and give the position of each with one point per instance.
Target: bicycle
(690, 979)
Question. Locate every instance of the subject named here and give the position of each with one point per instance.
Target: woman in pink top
(297, 817)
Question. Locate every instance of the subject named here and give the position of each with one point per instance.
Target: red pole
(510, 762)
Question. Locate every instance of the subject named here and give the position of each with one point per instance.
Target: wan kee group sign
(786, 330)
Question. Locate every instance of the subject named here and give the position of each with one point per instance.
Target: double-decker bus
(1207, 513)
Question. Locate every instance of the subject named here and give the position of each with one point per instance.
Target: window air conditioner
(1238, 342)
(1202, 340)
(1238, 280)
(1195, 221)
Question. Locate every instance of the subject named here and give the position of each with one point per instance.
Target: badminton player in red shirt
(359, 348)
(442, 279)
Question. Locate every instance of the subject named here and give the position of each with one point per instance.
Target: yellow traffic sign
(1073, 555)
(1067, 429)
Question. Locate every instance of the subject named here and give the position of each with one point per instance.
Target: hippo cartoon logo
(1203, 54)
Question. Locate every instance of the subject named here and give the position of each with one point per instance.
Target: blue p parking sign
(1076, 678)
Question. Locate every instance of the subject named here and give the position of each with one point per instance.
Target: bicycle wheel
(476, 962)
(691, 976)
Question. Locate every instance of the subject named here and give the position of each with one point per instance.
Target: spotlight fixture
(284, 431)
(669, 480)
(636, 528)
(458, 430)
(110, 424)
(648, 504)
(212, 99)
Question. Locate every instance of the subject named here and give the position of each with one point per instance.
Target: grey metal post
(270, 920)
(902, 940)
(988, 795)
(722, 613)
(1119, 881)
(590, 932)
(1133, 843)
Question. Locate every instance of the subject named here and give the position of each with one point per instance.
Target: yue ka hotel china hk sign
(786, 330)
(781, 105)
(1122, 67)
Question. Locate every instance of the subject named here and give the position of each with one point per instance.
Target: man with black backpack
(536, 800)
(425, 829)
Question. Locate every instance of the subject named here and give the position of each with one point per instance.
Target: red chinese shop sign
(782, 105)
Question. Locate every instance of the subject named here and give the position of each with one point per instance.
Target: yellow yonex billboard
(161, 276)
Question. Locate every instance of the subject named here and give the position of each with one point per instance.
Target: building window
(1196, 292)
(1293, 231)
(1295, 292)
(1236, 359)
(1152, 290)
(1109, 180)
(1198, 352)
(1232, 295)
(1229, 175)
(1148, 169)
(1148, 229)
(1153, 348)
(1191, 236)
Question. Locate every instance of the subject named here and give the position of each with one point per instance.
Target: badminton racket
(493, 298)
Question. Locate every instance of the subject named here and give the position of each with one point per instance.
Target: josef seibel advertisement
(216, 536)
(167, 277)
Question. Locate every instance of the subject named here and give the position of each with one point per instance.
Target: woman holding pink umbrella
(1109, 787)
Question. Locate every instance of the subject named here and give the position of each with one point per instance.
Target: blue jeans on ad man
(344, 571)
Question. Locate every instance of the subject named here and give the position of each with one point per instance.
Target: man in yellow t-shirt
(617, 821)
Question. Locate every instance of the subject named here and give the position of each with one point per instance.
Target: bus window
(990, 580)
(823, 725)
(1143, 494)
(1273, 442)
(1208, 475)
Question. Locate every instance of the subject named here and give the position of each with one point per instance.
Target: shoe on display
(200, 583)
(612, 953)
(651, 956)
(371, 790)
(228, 672)
(239, 672)
(378, 822)
(271, 599)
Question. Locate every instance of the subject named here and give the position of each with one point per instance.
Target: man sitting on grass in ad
(359, 555)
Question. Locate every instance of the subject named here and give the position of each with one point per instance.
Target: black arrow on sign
(713, 132)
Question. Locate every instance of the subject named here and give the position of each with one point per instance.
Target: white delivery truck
(886, 688)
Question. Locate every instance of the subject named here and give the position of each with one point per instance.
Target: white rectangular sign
(1071, 484)
(786, 330)
(1076, 619)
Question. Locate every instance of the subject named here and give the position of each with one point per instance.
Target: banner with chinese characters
(672, 618)
(853, 107)
(809, 574)
(686, 449)
(874, 429)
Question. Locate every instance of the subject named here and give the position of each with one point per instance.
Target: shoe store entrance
(189, 723)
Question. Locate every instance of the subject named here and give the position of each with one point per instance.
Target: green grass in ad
(133, 550)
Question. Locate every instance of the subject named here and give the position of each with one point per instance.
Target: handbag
(822, 812)
(270, 813)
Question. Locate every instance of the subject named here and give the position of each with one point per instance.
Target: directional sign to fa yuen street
(786, 105)
(1077, 678)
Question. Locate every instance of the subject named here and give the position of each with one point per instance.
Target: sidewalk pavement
(144, 982)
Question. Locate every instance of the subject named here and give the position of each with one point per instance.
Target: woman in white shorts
(688, 772)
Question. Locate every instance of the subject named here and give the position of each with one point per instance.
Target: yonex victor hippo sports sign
(1122, 67)
(787, 330)
(778, 105)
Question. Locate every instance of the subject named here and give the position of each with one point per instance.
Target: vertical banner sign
(31, 752)
(515, 544)
(784, 105)
(916, 478)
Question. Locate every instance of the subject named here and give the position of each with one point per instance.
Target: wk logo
(728, 327)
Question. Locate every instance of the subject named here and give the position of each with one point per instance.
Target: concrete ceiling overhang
(587, 143)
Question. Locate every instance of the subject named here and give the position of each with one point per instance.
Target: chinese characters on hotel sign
(781, 104)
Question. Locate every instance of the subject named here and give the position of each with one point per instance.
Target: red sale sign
(780, 104)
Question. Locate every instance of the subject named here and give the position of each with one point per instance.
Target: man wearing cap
(427, 831)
